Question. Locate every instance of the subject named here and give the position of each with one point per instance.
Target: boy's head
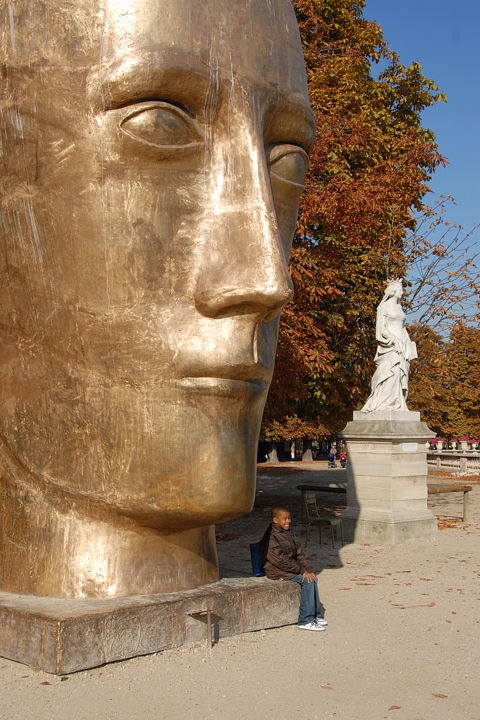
(281, 517)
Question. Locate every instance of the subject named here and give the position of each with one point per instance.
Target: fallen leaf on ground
(395, 707)
(45, 682)
(344, 588)
(426, 579)
(326, 687)
(422, 605)
(439, 695)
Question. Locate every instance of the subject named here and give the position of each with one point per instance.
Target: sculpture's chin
(173, 458)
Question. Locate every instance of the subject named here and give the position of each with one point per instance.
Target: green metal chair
(314, 517)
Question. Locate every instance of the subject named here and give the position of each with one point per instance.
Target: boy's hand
(309, 577)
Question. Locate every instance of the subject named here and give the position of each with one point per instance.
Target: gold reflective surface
(152, 153)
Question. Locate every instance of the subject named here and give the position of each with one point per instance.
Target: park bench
(433, 489)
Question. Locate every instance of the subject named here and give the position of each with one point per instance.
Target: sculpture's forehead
(250, 38)
(256, 39)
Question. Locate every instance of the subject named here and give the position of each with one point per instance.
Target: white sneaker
(311, 626)
(320, 621)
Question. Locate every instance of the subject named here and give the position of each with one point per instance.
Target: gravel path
(402, 642)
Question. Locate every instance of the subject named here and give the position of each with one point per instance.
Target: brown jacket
(285, 557)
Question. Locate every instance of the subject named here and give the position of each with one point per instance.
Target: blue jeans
(310, 605)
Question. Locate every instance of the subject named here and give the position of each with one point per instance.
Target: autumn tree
(463, 361)
(429, 377)
(368, 177)
(445, 379)
(443, 261)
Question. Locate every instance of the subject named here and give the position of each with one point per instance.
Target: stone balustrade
(461, 460)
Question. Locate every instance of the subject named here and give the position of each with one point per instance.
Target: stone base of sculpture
(63, 636)
(387, 478)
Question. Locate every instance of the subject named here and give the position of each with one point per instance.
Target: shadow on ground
(277, 484)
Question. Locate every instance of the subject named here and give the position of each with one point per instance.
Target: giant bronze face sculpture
(152, 153)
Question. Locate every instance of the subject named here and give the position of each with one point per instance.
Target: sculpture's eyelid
(138, 106)
(140, 124)
(285, 149)
(153, 100)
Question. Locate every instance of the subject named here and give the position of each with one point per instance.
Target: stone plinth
(387, 478)
(63, 636)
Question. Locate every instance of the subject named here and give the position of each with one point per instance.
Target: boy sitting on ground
(286, 560)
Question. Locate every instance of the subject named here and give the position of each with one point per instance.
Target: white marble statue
(395, 350)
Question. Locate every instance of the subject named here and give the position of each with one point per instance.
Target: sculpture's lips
(236, 377)
(222, 384)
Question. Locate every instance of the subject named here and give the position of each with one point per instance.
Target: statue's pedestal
(62, 636)
(387, 478)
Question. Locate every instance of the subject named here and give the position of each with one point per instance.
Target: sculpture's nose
(244, 267)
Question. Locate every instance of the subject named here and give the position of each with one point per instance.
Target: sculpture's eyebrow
(290, 118)
(173, 78)
(186, 80)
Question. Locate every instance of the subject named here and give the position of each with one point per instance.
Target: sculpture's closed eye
(162, 125)
(288, 163)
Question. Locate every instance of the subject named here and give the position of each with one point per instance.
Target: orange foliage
(368, 174)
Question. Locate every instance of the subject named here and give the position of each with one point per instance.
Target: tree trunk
(273, 455)
(307, 451)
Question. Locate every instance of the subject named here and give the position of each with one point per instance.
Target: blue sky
(443, 36)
